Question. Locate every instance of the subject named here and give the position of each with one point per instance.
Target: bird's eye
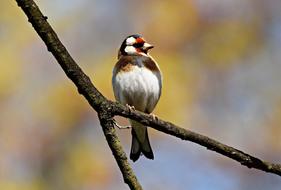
(138, 45)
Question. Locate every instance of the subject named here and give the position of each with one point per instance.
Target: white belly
(139, 88)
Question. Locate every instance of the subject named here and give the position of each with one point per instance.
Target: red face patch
(139, 40)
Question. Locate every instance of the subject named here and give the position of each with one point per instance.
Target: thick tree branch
(107, 109)
(84, 85)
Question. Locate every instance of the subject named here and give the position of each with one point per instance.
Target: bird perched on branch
(137, 83)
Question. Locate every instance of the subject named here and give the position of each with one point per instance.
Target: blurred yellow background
(222, 72)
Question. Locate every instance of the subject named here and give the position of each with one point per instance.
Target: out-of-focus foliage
(221, 65)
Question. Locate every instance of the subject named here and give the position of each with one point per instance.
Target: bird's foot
(131, 108)
(120, 126)
(154, 117)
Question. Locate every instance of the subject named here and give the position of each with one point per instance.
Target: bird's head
(134, 45)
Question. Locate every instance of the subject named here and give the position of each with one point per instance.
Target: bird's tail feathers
(140, 142)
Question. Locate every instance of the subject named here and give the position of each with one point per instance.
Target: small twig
(120, 126)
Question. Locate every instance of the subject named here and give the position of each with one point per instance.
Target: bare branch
(84, 85)
(185, 134)
(107, 109)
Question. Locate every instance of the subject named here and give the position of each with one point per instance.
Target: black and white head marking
(134, 45)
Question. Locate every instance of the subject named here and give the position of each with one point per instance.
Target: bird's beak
(146, 46)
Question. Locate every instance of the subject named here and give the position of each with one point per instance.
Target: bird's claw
(131, 108)
(154, 117)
